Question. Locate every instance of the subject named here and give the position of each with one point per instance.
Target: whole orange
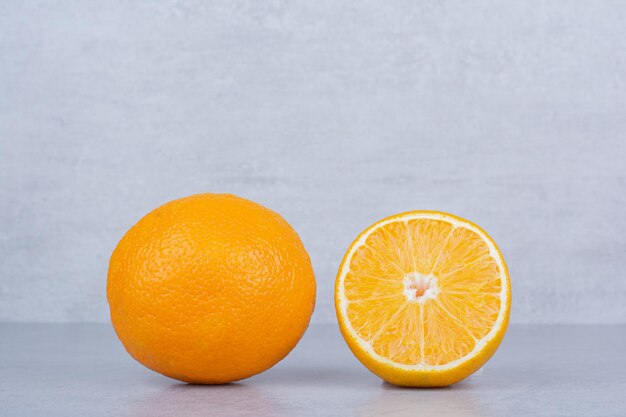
(210, 288)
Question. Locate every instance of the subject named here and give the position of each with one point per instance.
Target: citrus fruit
(210, 289)
(423, 298)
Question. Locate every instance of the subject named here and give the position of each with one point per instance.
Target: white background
(334, 114)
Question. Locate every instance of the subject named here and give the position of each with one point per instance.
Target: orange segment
(361, 286)
(481, 276)
(479, 311)
(462, 247)
(399, 339)
(428, 239)
(423, 298)
(371, 315)
(445, 336)
(392, 248)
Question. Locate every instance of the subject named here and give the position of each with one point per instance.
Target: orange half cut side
(423, 298)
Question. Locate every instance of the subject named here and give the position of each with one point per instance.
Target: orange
(423, 298)
(210, 288)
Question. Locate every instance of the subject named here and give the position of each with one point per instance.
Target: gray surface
(334, 114)
(82, 370)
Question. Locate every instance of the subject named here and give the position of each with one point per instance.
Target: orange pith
(420, 294)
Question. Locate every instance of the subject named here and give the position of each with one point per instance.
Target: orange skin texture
(210, 289)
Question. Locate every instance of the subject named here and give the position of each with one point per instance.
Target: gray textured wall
(334, 114)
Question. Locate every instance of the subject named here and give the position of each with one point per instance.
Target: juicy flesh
(422, 291)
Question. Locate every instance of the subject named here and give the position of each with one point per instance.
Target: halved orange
(423, 298)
